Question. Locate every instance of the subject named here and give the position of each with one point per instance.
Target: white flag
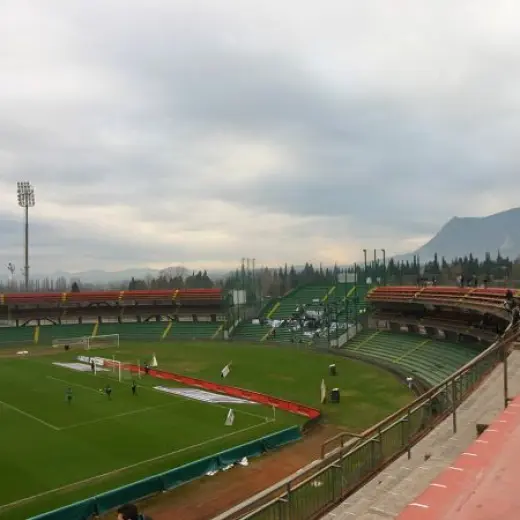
(230, 419)
(154, 363)
(323, 391)
(226, 370)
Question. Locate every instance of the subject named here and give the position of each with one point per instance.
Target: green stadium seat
(430, 360)
(12, 336)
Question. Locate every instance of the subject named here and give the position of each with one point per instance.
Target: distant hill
(475, 235)
(106, 277)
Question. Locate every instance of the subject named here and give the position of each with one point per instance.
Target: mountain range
(459, 237)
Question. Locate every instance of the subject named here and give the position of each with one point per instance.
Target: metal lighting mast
(26, 200)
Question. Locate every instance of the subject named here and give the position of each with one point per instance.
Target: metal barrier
(341, 473)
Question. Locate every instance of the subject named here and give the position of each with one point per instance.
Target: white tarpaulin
(202, 395)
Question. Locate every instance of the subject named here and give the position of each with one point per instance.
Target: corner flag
(226, 370)
(323, 392)
(230, 419)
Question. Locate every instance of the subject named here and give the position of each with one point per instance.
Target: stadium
(345, 400)
(362, 363)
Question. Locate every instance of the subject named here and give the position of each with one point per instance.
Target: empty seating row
(306, 295)
(430, 360)
(178, 295)
(251, 332)
(459, 326)
(486, 298)
(153, 331)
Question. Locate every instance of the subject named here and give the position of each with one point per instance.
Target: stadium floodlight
(26, 200)
(384, 265)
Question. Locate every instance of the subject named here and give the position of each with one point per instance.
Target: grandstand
(312, 296)
(468, 320)
(445, 348)
(427, 477)
(340, 303)
(146, 331)
(424, 358)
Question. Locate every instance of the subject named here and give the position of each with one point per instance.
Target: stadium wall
(100, 504)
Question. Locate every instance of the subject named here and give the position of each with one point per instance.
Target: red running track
(483, 483)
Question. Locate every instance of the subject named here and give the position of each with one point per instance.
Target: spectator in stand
(130, 512)
(515, 314)
(509, 302)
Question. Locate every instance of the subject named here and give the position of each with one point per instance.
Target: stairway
(389, 492)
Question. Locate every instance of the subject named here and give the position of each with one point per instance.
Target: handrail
(276, 502)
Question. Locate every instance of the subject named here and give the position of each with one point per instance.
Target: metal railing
(338, 474)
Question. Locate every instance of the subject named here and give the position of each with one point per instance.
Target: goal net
(123, 371)
(88, 342)
(106, 340)
(81, 341)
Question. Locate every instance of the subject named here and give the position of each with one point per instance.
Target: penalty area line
(116, 416)
(30, 416)
(52, 378)
(131, 466)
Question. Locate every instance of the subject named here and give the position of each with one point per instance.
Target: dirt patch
(211, 496)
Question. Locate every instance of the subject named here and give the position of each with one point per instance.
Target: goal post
(88, 342)
(123, 371)
(105, 340)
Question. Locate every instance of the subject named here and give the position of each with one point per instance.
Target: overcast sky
(198, 132)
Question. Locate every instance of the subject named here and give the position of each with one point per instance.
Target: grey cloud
(369, 158)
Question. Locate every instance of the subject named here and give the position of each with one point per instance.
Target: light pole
(11, 268)
(26, 200)
(384, 265)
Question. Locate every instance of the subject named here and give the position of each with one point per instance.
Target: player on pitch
(134, 388)
(108, 392)
(68, 395)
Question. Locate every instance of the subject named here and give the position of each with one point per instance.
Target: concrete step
(388, 493)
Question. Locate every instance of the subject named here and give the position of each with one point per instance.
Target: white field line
(131, 466)
(179, 397)
(110, 417)
(30, 416)
(73, 384)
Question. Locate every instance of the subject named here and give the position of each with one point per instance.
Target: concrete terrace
(391, 491)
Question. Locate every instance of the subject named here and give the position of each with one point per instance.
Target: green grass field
(54, 454)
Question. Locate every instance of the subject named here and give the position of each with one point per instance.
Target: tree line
(274, 282)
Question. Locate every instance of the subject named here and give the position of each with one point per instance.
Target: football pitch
(55, 453)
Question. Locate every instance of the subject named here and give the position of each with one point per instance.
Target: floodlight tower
(11, 268)
(26, 200)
